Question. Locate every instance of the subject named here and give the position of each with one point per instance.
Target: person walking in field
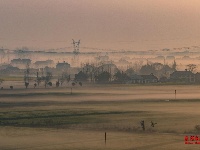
(142, 125)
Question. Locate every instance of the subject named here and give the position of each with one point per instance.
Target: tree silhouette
(57, 83)
(47, 79)
(26, 84)
(191, 67)
(80, 83)
(103, 77)
(130, 72)
(147, 69)
(121, 77)
(35, 85)
(81, 76)
(26, 76)
(64, 78)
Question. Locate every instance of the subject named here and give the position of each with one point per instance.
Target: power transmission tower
(76, 52)
(76, 47)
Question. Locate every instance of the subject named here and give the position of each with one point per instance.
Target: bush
(197, 128)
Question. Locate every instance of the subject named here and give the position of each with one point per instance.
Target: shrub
(197, 128)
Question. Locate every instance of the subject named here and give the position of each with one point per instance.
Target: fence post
(105, 138)
(175, 93)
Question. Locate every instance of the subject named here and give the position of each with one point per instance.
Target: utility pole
(76, 51)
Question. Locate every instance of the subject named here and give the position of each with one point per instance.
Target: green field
(55, 119)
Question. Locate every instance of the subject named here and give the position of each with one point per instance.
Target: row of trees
(39, 79)
(46, 78)
(104, 77)
(103, 74)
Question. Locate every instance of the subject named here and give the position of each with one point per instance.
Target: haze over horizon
(113, 24)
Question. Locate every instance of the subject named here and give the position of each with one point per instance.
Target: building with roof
(62, 66)
(182, 76)
(43, 64)
(134, 78)
(21, 61)
(149, 78)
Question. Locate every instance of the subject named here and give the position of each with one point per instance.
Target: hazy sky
(115, 24)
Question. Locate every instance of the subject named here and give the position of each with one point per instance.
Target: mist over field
(55, 119)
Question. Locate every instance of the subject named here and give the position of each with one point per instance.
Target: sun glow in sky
(114, 24)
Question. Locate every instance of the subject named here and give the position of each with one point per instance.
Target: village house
(62, 66)
(182, 76)
(43, 64)
(20, 61)
(140, 79)
(9, 70)
(197, 77)
(149, 78)
(136, 79)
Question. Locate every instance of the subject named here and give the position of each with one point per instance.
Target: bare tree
(138, 65)
(38, 80)
(47, 78)
(26, 76)
(57, 83)
(64, 78)
(191, 67)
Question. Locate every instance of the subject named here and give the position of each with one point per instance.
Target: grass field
(55, 119)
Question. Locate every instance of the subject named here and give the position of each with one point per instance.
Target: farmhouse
(197, 77)
(149, 78)
(21, 61)
(136, 78)
(140, 79)
(182, 76)
(43, 64)
(62, 66)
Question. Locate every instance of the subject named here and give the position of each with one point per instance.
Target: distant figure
(1, 88)
(142, 124)
(26, 84)
(153, 124)
(175, 93)
(73, 84)
(11, 87)
(35, 85)
(80, 83)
